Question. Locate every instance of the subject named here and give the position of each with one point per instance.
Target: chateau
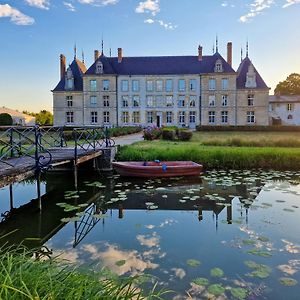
(185, 91)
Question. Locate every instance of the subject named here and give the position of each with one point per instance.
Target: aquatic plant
(201, 281)
(261, 271)
(258, 252)
(239, 293)
(216, 289)
(287, 281)
(193, 262)
(216, 272)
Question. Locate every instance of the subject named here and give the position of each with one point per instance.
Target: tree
(291, 86)
(44, 117)
(6, 119)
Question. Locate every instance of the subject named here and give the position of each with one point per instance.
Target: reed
(218, 157)
(22, 277)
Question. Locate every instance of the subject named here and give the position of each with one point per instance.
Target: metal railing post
(61, 132)
(36, 141)
(94, 138)
(11, 141)
(106, 137)
(76, 145)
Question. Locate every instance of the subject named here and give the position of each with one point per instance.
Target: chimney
(62, 66)
(120, 55)
(96, 54)
(229, 53)
(200, 50)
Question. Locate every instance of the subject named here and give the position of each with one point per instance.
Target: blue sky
(34, 32)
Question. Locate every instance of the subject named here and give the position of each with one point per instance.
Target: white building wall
(288, 117)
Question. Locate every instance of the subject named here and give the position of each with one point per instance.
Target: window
(192, 101)
(224, 84)
(93, 85)
(99, 67)
(181, 101)
(149, 86)
(106, 116)
(69, 101)
(169, 85)
(124, 101)
(181, 117)
(136, 101)
(70, 116)
(150, 101)
(211, 117)
(181, 85)
(250, 117)
(192, 117)
(290, 117)
(169, 117)
(224, 116)
(150, 117)
(136, 117)
(289, 107)
(211, 100)
(192, 85)
(106, 101)
(93, 101)
(224, 100)
(212, 84)
(159, 85)
(124, 86)
(125, 116)
(169, 101)
(105, 85)
(250, 100)
(70, 83)
(135, 85)
(159, 101)
(94, 117)
(218, 66)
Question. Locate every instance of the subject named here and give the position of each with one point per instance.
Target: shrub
(152, 133)
(6, 119)
(184, 135)
(168, 134)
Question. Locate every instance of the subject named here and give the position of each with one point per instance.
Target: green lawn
(262, 150)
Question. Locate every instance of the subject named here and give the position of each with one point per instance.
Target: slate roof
(160, 65)
(78, 69)
(284, 99)
(242, 76)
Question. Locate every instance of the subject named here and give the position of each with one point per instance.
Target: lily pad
(120, 263)
(216, 272)
(263, 238)
(258, 252)
(216, 289)
(239, 293)
(201, 281)
(260, 271)
(287, 281)
(248, 242)
(193, 263)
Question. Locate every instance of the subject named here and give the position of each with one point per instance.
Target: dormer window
(99, 67)
(251, 78)
(218, 66)
(69, 80)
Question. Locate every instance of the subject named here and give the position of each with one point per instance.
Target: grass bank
(218, 157)
(22, 277)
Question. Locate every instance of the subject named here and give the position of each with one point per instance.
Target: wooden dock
(29, 151)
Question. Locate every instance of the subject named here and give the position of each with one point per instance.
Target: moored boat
(158, 168)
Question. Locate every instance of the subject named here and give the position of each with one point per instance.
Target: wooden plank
(15, 178)
(88, 157)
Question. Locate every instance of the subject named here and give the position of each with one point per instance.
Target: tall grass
(214, 157)
(22, 277)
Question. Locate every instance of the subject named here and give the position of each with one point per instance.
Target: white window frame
(183, 87)
(224, 117)
(70, 117)
(136, 117)
(159, 85)
(135, 85)
(181, 117)
(224, 100)
(125, 101)
(225, 84)
(149, 85)
(212, 100)
(250, 117)
(211, 117)
(136, 101)
(149, 117)
(94, 117)
(124, 85)
(192, 117)
(192, 85)
(212, 84)
(106, 117)
(105, 85)
(181, 101)
(93, 101)
(125, 117)
(169, 117)
(250, 99)
(169, 85)
(93, 85)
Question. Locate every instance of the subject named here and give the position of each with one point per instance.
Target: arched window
(99, 67)
(290, 117)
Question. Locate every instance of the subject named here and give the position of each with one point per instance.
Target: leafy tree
(291, 86)
(44, 117)
(6, 119)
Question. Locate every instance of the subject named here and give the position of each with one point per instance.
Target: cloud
(43, 4)
(69, 6)
(6, 11)
(148, 6)
(257, 7)
(168, 26)
(99, 2)
(290, 2)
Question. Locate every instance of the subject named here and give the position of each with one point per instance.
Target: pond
(226, 234)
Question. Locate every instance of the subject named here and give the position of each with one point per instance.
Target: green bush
(152, 133)
(184, 135)
(168, 134)
(276, 128)
(6, 119)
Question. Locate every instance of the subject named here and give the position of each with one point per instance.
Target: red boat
(158, 168)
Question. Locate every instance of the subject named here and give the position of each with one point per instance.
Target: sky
(33, 33)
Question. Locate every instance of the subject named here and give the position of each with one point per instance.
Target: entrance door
(158, 121)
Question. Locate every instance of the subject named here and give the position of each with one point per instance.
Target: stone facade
(183, 91)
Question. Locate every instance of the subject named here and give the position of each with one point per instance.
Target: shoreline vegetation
(23, 277)
(223, 150)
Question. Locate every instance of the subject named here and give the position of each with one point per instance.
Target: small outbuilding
(18, 117)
